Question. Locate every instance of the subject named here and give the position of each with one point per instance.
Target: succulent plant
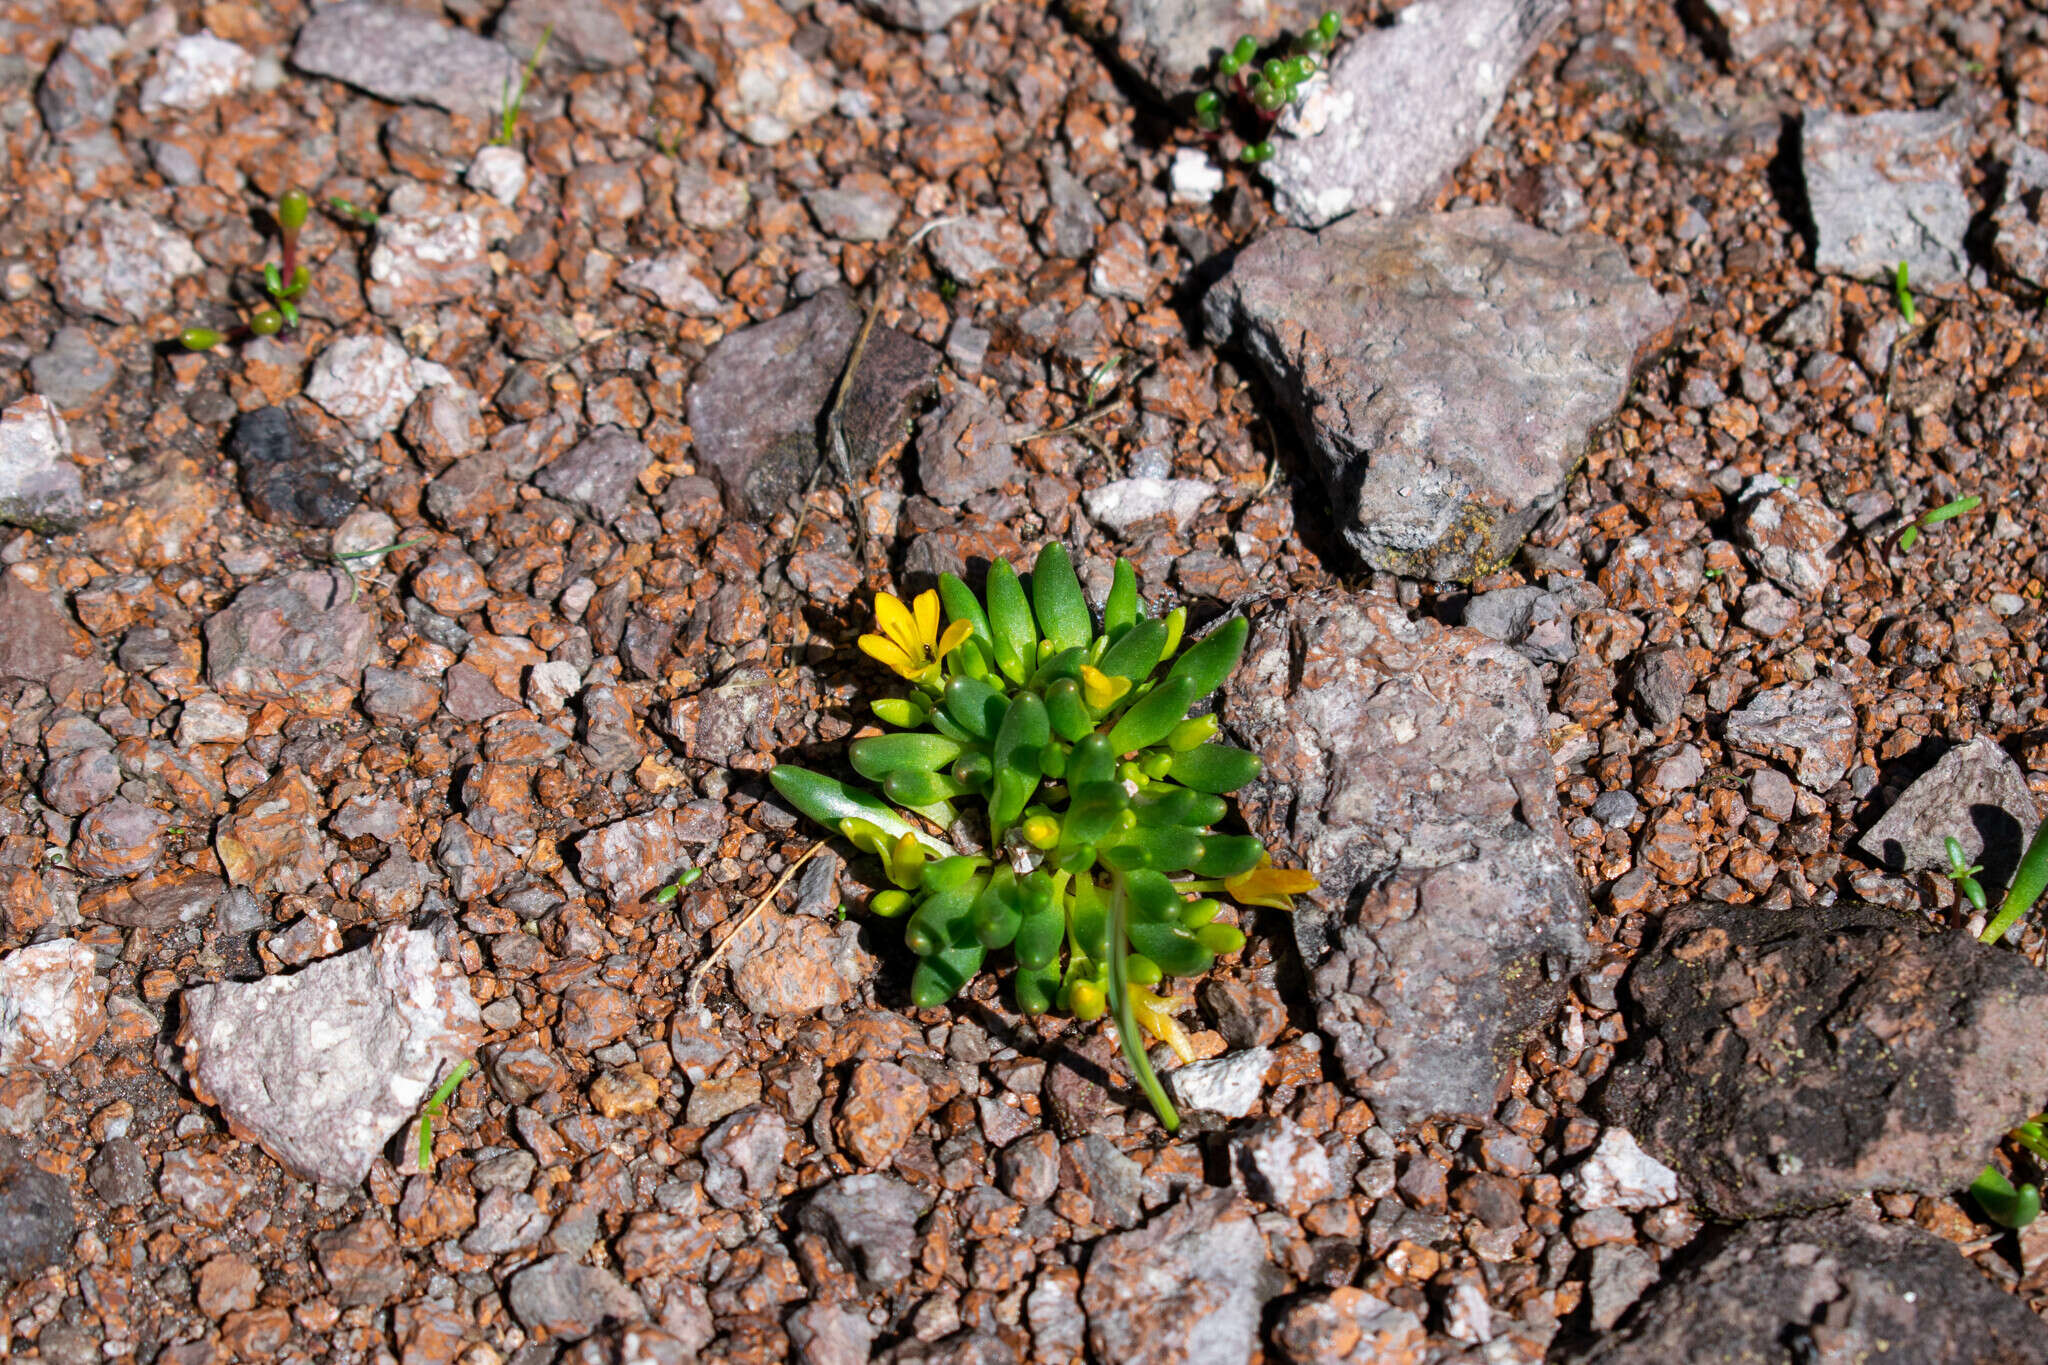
(1100, 795)
(283, 282)
(1268, 86)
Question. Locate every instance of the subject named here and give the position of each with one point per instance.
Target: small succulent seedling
(284, 281)
(2014, 1207)
(354, 212)
(1903, 292)
(1268, 87)
(1963, 873)
(1067, 751)
(511, 100)
(437, 1106)
(1907, 536)
(675, 888)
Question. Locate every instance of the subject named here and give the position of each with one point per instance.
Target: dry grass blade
(694, 990)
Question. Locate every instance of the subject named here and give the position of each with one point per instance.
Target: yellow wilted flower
(1269, 886)
(1155, 1015)
(1100, 690)
(910, 642)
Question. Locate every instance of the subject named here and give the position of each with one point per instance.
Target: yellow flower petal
(888, 653)
(1154, 1013)
(927, 609)
(955, 636)
(1100, 690)
(1270, 886)
(897, 623)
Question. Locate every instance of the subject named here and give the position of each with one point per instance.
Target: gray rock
(119, 1173)
(79, 87)
(1445, 371)
(1172, 45)
(1122, 504)
(194, 71)
(74, 370)
(671, 280)
(1536, 622)
(1898, 1052)
(1402, 106)
(587, 35)
(286, 480)
(1885, 188)
(919, 16)
(569, 1300)
(121, 263)
(1190, 1285)
(36, 1222)
(1230, 1085)
(742, 1155)
(1975, 794)
(1663, 680)
(871, 1223)
(1619, 1174)
(1620, 1276)
(323, 1066)
(862, 207)
(598, 474)
(759, 397)
(2019, 225)
(1071, 220)
(294, 637)
(402, 55)
(1810, 326)
(1405, 765)
(1787, 536)
(963, 448)
(1809, 725)
(1616, 810)
(421, 259)
(1281, 1165)
(1112, 1181)
(40, 488)
(831, 1334)
(1827, 1286)
(977, 245)
(41, 641)
(1767, 611)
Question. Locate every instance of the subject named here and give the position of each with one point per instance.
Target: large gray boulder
(1446, 371)
(1783, 1060)
(1402, 106)
(1405, 766)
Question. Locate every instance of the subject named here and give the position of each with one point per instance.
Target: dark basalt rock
(286, 481)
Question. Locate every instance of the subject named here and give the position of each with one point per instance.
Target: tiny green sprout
(1964, 873)
(284, 280)
(1907, 536)
(200, 338)
(2006, 1204)
(355, 213)
(949, 288)
(508, 115)
(675, 888)
(1065, 742)
(1267, 87)
(1903, 292)
(437, 1106)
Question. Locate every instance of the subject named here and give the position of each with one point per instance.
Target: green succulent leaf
(942, 975)
(1120, 610)
(1152, 718)
(944, 920)
(1136, 653)
(879, 755)
(828, 801)
(1162, 848)
(975, 706)
(915, 788)
(1178, 952)
(1071, 719)
(1228, 855)
(2008, 1206)
(1209, 661)
(1178, 806)
(1026, 730)
(998, 910)
(1215, 768)
(1009, 620)
(962, 605)
(1091, 761)
(1056, 595)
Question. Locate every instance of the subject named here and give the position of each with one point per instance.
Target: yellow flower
(1155, 1016)
(910, 642)
(1269, 886)
(1100, 690)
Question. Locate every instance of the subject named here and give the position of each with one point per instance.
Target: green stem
(2028, 881)
(1128, 1033)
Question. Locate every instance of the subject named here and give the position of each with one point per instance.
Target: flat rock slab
(1885, 188)
(301, 638)
(1192, 1284)
(1446, 371)
(1172, 45)
(759, 402)
(1975, 794)
(403, 56)
(323, 1066)
(1405, 765)
(1784, 1060)
(1402, 106)
(1826, 1286)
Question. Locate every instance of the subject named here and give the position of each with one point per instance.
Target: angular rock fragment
(1122, 504)
(1172, 45)
(52, 1006)
(322, 1067)
(78, 86)
(1885, 188)
(1790, 1059)
(36, 1222)
(40, 488)
(598, 474)
(1401, 106)
(919, 16)
(2019, 225)
(286, 480)
(631, 857)
(590, 35)
(1809, 725)
(301, 638)
(41, 640)
(1826, 1286)
(1191, 1284)
(672, 280)
(1446, 371)
(570, 1301)
(400, 54)
(789, 965)
(1348, 1325)
(759, 399)
(272, 842)
(121, 264)
(1976, 795)
(1745, 30)
(193, 72)
(870, 1222)
(1788, 536)
(763, 90)
(424, 259)
(963, 448)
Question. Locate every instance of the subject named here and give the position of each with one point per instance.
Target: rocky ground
(1545, 401)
